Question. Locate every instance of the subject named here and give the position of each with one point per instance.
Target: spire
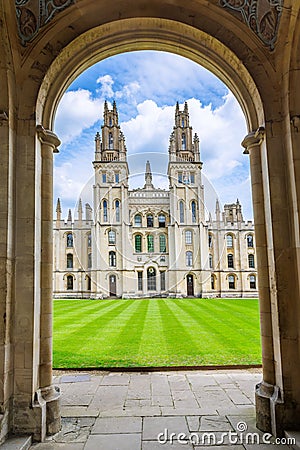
(105, 107)
(58, 207)
(186, 109)
(148, 177)
(177, 107)
(217, 210)
(58, 213)
(69, 216)
(80, 210)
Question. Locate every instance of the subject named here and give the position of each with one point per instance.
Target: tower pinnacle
(148, 177)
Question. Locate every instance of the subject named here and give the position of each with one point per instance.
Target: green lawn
(155, 332)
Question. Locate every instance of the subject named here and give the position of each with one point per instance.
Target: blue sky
(146, 86)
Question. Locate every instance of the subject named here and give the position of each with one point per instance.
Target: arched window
(88, 283)
(251, 263)
(138, 220)
(151, 279)
(193, 211)
(229, 241)
(69, 261)
(182, 122)
(110, 141)
(252, 282)
(210, 258)
(231, 282)
(161, 221)
(149, 221)
(183, 141)
(210, 241)
(111, 237)
(230, 261)
(150, 243)
(110, 122)
(89, 240)
(181, 212)
(104, 211)
(69, 283)
(188, 237)
(189, 258)
(212, 282)
(162, 243)
(117, 204)
(112, 259)
(250, 240)
(89, 261)
(69, 240)
(138, 243)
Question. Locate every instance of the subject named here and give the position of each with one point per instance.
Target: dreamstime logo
(240, 436)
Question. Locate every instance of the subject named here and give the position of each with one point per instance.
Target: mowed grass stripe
(156, 332)
(75, 341)
(153, 346)
(129, 333)
(175, 332)
(220, 340)
(74, 309)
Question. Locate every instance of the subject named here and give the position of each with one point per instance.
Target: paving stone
(108, 397)
(184, 411)
(78, 411)
(74, 430)
(117, 425)
(17, 443)
(75, 378)
(56, 446)
(215, 423)
(76, 400)
(153, 426)
(132, 412)
(114, 442)
(154, 445)
(162, 400)
(115, 379)
(220, 447)
(160, 385)
(237, 397)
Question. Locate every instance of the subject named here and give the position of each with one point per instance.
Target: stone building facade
(151, 241)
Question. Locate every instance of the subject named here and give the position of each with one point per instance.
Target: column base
(263, 394)
(51, 395)
(42, 417)
(273, 415)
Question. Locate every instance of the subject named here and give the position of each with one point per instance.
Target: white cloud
(106, 88)
(76, 112)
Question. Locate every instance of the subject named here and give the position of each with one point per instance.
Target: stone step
(17, 443)
(293, 435)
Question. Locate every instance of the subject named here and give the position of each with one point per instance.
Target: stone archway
(35, 77)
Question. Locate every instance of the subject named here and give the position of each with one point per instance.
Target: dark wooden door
(190, 285)
(112, 286)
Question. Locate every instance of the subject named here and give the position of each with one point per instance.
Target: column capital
(48, 137)
(252, 139)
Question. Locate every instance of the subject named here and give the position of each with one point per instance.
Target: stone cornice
(48, 137)
(253, 139)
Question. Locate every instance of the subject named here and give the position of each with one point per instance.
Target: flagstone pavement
(157, 411)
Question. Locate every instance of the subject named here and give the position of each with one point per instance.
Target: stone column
(264, 390)
(49, 144)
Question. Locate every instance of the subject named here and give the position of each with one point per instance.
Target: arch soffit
(147, 34)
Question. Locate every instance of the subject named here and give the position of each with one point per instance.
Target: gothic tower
(187, 233)
(110, 205)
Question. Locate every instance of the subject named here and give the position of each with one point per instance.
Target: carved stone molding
(262, 16)
(32, 15)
